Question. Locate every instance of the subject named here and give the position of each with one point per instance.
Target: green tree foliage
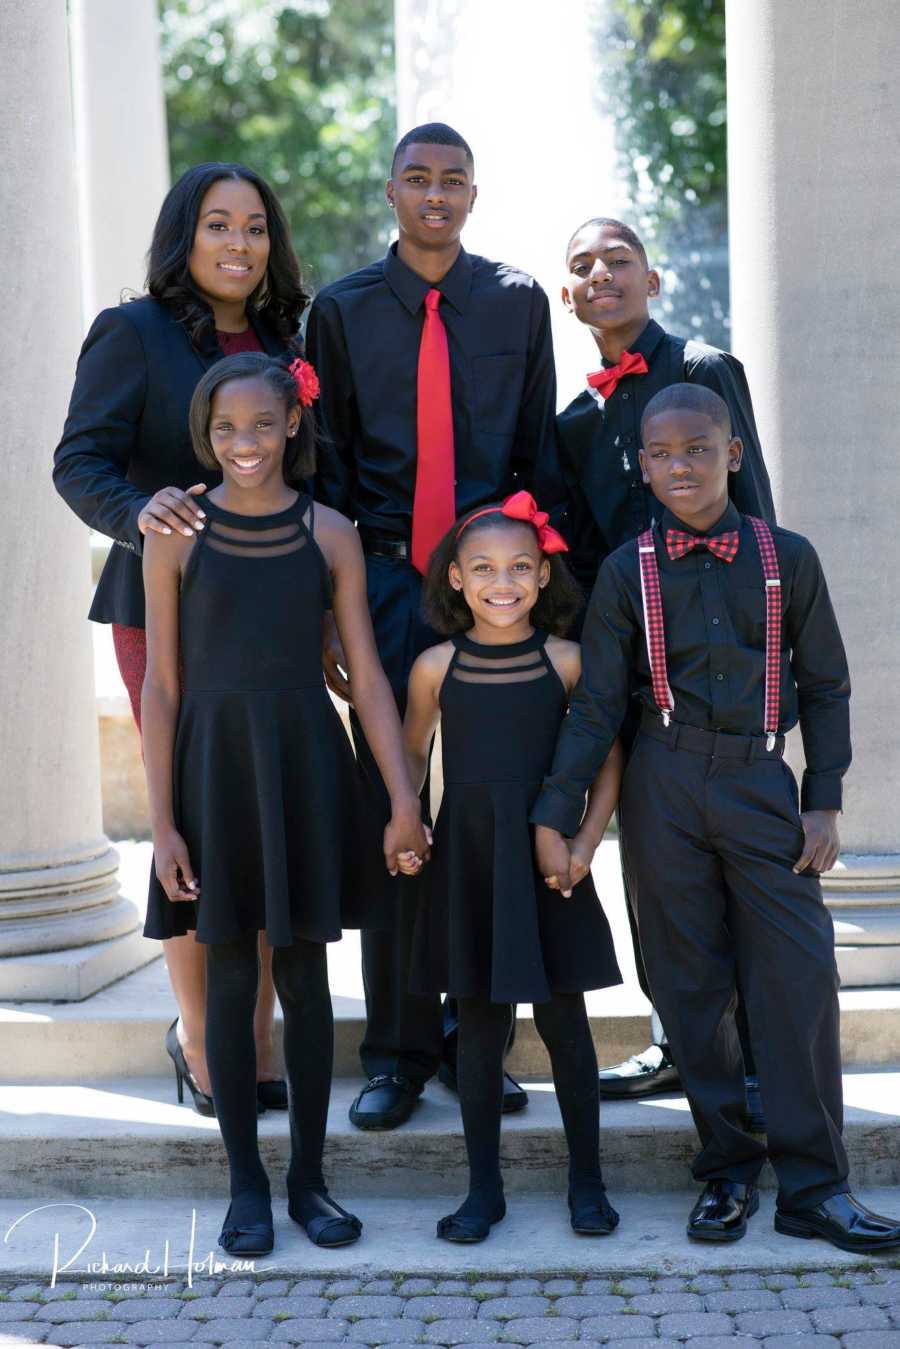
(304, 94)
(663, 82)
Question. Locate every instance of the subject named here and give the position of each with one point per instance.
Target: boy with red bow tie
(609, 288)
(722, 629)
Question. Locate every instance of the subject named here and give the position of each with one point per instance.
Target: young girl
(250, 774)
(488, 931)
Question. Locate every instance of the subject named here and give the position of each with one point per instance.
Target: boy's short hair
(625, 230)
(689, 398)
(432, 133)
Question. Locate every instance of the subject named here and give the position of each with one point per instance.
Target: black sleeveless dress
(265, 781)
(487, 926)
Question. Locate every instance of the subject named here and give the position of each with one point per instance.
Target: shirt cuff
(557, 812)
(822, 791)
(134, 539)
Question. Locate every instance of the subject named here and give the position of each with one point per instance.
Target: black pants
(628, 735)
(710, 843)
(403, 1030)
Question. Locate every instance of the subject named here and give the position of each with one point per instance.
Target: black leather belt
(717, 744)
(382, 545)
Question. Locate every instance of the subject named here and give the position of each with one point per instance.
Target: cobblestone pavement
(817, 1310)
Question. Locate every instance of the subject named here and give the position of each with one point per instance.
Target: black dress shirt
(126, 435)
(363, 338)
(598, 447)
(715, 623)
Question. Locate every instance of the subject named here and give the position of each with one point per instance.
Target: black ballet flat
(592, 1215)
(272, 1095)
(324, 1222)
(250, 1240)
(466, 1228)
(203, 1104)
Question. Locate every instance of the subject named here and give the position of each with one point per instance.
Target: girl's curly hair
(279, 299)
(445, 609)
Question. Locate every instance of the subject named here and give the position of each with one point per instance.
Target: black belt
(382, 545)
(717, 744)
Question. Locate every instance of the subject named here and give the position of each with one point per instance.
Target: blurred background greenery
(305, 93)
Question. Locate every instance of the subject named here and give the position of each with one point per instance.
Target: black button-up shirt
(363, 338)
(598, 447)
(715, 624)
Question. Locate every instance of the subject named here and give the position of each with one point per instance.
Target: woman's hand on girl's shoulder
(565, 657)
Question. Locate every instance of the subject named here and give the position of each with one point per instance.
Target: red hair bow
(522, 506)
(306, 380)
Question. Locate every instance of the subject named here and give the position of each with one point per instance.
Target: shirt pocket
(497, 383)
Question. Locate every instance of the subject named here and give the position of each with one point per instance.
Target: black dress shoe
(843, 1221)
(641, 1075)
(324, 1221)
(272, 1095)
(248, 1237)
(384, 1102)
(721, 1212)
(756, 1120)
(515, 1098)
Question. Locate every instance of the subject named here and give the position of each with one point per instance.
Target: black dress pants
(711, 842)
(404, 1034)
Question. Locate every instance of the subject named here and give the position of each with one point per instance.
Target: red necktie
(434, 503)
(605, 381)
(724, 546)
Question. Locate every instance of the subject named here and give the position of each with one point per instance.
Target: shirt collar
(729, 519)
(411, 289)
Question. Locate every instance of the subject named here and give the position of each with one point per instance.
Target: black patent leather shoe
(515, 1097)
(843, 1221)
(721, 1212)
(385, 1102)
(641, 1075)
(756, 1120)
(272, 1095)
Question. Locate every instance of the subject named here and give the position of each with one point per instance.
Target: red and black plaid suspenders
(654, 628)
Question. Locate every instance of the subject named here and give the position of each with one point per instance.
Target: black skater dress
(487, 926)
(265, 782)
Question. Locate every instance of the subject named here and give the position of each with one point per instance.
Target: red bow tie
(723, 546)
(605, 381)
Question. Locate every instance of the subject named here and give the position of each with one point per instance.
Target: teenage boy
(608, 289)
(724, 630)
(437, 395)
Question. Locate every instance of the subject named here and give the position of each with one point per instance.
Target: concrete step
(130, 1138)
(398, 1235)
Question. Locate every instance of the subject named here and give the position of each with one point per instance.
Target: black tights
(563, 1026)
(300, 974)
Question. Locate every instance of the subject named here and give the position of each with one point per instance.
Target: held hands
(173, 867)
(554, 858)
(821, 843)
(170, 508)
(405, 836)
(581, 852)
(334, 662)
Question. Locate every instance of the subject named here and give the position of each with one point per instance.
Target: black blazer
(126, 436)
(608, 504)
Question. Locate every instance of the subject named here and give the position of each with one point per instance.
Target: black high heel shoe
(248, 1239)
(203, 1104)
(272, 1095)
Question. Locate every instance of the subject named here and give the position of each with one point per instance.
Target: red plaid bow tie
(723, 546)
(605, 381)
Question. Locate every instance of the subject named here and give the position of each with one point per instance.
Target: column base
(70, 976)
(863, 895)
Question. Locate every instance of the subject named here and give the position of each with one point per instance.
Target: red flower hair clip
(306, 380)
(522, 506)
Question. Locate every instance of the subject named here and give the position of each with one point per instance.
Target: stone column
(121, 142)
(64, 929)
(814, 196)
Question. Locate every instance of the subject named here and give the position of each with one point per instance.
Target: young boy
(609, 288)
(724, 631)
(438, 395)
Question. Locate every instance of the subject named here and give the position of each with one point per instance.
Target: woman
(222, 277)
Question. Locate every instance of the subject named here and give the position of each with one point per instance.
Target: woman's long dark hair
(279, 298)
